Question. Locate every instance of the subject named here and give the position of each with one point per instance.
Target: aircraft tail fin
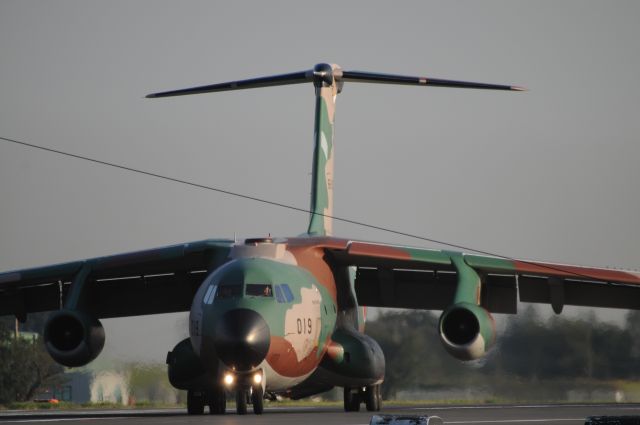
(328, 81)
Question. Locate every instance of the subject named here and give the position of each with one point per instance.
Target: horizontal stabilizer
(324, 74)
(274, 80)
(376, 78)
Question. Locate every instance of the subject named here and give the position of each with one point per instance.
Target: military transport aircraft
(285, 316)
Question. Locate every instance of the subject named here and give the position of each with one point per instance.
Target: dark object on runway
(612, 420)
(405, 420)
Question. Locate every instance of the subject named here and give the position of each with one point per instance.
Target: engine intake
(467, 331)
(73, 338)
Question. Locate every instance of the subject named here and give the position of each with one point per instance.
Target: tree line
(25, 365)
(531, 349)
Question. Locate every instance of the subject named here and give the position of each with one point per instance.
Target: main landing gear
(369, 394)
(216, 399)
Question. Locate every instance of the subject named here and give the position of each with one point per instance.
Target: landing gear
(369, 394)
(218, 402)
(351, 399)
(195, 402)
(372, 398)
(248, 388)
(216, 399)
(257, 399)
(255, 395)
(241, 401)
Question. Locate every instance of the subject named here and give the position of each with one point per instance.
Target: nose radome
(242, 339)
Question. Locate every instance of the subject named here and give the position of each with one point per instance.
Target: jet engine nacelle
(186, 371)
(73, 338)
(467, 331)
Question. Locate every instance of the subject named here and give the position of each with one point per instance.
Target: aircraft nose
(242, 339)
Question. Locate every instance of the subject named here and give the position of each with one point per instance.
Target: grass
(65, 405)
(508, 392)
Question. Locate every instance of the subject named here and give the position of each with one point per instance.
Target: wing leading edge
(402, 277)
(159, 280)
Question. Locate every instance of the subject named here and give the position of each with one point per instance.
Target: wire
(294, 208)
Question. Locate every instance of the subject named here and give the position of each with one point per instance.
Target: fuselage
(275, 309)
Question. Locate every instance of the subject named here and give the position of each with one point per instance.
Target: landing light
(257, 378)
(228, 379)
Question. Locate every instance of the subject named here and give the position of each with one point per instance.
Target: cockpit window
(283, 293)
(279, 296)
(229, 291)
(259, 290)
(211, 292)
(286, 291)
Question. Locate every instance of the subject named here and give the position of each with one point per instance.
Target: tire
(351, 400)
(218, 402)
(257, 399)
(195, 402)
(241, 401)
(372, 398)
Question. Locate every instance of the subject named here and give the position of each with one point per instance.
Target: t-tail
(328, 81)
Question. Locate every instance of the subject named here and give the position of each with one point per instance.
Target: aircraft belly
(278, 383)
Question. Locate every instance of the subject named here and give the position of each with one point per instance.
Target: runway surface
(486, 414)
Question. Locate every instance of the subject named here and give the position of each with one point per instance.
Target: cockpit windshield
(229, 291)
(259, 290)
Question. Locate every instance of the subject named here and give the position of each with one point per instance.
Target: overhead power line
(292, 207)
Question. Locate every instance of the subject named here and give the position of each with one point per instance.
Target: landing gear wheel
(241, 401)
(195, 402)
(218, 402)
(351, 400)
(372, 398)
(257, 399)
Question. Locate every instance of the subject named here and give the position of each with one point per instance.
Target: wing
(394, 276)
(160, 280)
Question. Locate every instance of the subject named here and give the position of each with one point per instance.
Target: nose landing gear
(218, 402)
(241, 401)
(248, 388)
(254, 395)
(257, 399)
(369, 394)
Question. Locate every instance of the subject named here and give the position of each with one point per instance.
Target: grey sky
(551, 174)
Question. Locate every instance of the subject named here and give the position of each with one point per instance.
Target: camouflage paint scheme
(322, 174)
(315, 332)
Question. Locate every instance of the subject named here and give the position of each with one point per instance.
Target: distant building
(110, 387)
(87, 386)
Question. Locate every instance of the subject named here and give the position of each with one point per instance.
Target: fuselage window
(259, 290)
(229, 291)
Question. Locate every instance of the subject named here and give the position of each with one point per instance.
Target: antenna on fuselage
(328, 81)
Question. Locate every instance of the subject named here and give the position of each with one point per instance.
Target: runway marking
(59, 420)
(524, 406)
(509, 421)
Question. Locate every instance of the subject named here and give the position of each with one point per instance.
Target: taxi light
(228, 379)
(257, 378)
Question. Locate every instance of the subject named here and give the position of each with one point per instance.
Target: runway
(485, 415)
